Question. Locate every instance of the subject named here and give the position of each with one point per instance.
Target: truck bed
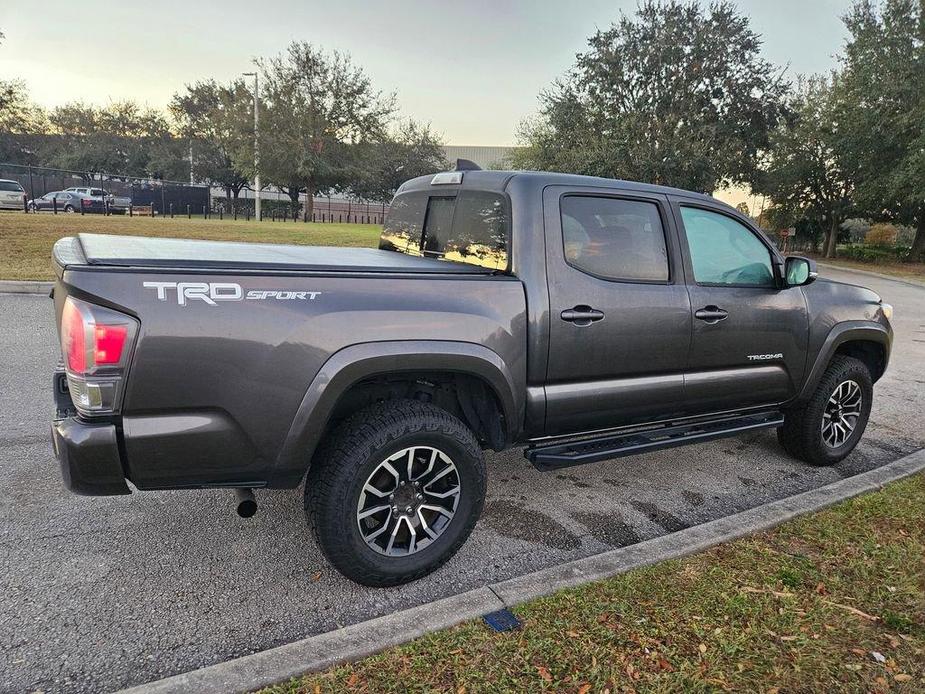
(214, 387)
(183, 254)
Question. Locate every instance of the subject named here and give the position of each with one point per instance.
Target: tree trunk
(309, 198)
(918, 243)
(831, 238)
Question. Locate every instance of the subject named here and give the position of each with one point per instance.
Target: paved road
(100, 593)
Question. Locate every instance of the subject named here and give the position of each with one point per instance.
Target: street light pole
(256, 145)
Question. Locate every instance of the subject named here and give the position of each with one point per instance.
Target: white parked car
(12, 195)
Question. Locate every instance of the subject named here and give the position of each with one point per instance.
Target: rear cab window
(465, 226)
(614, 238)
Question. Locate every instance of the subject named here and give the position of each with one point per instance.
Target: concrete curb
(357, 641)
(700, 537)
(367, 638)
(25, 287)
(869, 273)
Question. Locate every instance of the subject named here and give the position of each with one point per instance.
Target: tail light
(86, 202)
(96, 343)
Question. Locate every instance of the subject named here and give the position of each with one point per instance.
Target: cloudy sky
(471, 68)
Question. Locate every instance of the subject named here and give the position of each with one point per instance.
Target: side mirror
(799, 271)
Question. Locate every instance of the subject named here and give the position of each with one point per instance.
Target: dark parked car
(118, 204)
(12, 195)
(580, 318)
(56, 200)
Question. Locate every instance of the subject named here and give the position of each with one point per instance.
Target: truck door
(620, 317)
(748, 340)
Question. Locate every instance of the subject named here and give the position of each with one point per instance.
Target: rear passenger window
(471, 227)
(614, 239)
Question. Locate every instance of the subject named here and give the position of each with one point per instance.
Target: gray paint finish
(239, 392)
(238, 371)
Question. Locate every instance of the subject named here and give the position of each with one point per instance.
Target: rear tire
(417, 463)
(825, 430)
(69, 209)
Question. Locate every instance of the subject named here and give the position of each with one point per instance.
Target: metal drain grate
(502, 620)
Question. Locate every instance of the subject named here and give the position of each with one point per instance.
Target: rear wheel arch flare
(359, 363)
(467, 396)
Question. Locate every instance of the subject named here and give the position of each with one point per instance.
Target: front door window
(725, 252)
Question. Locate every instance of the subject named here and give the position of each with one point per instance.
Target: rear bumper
(89, 457)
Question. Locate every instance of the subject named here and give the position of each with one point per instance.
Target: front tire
(394, 492)
(828, 427)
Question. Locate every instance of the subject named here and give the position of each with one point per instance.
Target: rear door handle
(711, 314)
(581, 315)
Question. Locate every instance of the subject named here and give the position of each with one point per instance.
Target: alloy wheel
(841, 414)
(408, 501)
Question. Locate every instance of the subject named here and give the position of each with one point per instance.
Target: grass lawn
(26, 239)
(912, 271)
(830, 602)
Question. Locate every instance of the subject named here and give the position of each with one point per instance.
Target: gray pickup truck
(580, 318)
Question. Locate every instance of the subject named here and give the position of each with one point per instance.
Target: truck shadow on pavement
(591, 509)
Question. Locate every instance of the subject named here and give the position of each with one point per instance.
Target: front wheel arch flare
(840, 337)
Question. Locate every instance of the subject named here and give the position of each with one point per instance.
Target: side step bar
(559, 455)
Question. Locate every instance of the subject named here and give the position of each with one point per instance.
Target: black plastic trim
(89, 457)
(560, 455)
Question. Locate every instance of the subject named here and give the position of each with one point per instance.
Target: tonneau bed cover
(149, 252)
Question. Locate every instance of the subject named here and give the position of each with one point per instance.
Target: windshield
(10, 186)
(470, 227)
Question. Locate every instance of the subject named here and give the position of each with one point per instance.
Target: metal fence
(156, 194)
(176, 198)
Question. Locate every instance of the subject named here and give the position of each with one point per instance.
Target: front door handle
(711, 314)
(581, 315)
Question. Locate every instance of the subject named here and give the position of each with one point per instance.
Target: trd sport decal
(213, 292)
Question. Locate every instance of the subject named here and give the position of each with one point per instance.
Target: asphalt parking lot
(102, 593)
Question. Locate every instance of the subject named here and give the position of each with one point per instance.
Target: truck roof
(499, 181)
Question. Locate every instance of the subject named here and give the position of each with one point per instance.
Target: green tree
(22, 124)
(882, 112)
(414, 150)
(120, 138)
(677, 95)
(17, 112)
(217, 120)
(316, 107)
(806, 177)
(20, 121)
